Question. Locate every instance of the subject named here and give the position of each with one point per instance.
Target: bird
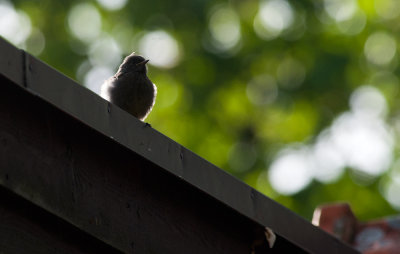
(130, 88)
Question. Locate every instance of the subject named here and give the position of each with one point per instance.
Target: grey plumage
(130, 88)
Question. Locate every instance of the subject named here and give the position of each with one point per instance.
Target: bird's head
(133, 63)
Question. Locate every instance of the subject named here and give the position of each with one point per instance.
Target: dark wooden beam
(27, 228)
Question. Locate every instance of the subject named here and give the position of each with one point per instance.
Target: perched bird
(130, 88)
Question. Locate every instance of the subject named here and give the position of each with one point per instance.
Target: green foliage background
(212, 111)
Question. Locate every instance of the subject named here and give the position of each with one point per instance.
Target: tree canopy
(299, 99)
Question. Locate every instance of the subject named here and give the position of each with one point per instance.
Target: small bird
(130, 88)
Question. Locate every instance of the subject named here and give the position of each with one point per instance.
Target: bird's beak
(143, 62)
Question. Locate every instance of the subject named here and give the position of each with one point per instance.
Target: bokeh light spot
(391, 187)
(273, 17)
(340, 10)
(387, 9)
(36, 42)
(353, 25)
(96, 77)
(15, 26)
(362, 136)
(290, 172)
(105, 51)
(82, 70)
(328, 163)
(359, 139)
(112, 5)
(380, 48)
(224, 26)
(391, 194)
(160, 48)
(368, 101)
(84, 22)
(365, 143)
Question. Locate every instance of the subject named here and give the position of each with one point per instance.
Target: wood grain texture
(26, 228)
